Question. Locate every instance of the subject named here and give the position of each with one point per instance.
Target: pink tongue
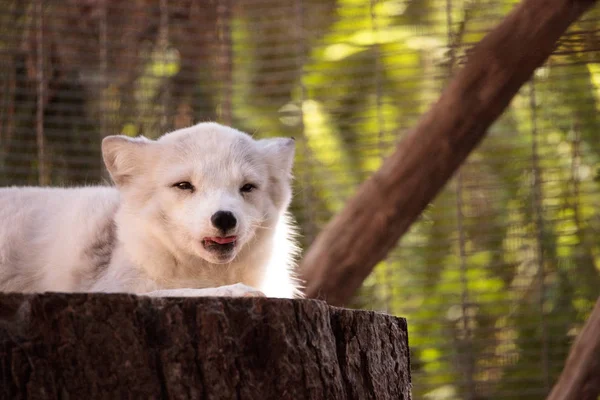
(222, 240)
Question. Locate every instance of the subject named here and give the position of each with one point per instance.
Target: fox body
(199, 211)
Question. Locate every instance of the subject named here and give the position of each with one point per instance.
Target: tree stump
(89, 346)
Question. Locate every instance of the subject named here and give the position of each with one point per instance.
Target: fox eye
(184, 186)
(247, 188)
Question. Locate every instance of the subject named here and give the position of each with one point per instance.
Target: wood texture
(580, 378)
(388, 202)
(83, 346)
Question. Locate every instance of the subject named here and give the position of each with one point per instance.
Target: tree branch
(385, 205)
(580, 379)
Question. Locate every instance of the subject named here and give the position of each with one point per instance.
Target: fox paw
(236, 290)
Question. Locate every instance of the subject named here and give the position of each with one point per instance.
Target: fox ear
(281, 152)
(124, 156)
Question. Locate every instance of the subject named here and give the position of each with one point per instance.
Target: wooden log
(386, 204)
(82, 346)
(580, 378)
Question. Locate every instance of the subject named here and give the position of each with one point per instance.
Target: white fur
(57, 239)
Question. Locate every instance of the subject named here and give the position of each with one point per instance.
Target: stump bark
(82, 346)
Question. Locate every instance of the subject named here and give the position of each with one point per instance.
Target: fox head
(205, 191)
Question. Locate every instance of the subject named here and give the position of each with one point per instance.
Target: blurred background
(499, 273)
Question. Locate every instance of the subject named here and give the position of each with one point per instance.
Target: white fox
(201, 211)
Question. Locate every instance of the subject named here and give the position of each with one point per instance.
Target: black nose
(223, 220)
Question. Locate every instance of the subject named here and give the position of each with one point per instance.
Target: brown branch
(387, 204)
(580, 379)
(225, 59)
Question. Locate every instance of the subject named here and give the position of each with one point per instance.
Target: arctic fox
(201, 211)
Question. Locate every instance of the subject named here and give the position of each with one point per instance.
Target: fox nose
(223, 220)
